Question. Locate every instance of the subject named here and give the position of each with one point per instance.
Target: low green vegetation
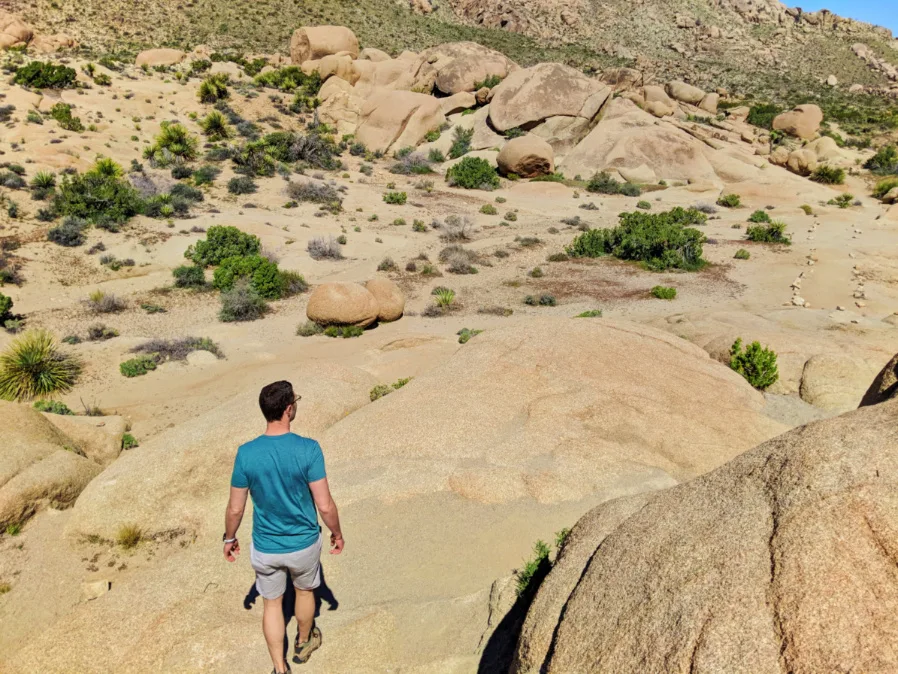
(762, 114)
(53, 407)
(465, 334)
(884, 162)
(100, 196)
(541, 301)
(592, 313)
(173, 144)
(62, 113)
(742, 254)
(41, 75)
(756, 363)
(129, 536)
(33, 366)
(773, 232)
(214, 88)
(395, 198)
(222, 242)
(242, 303)
(129, 442)
(461, 142)
(344, 331)
(603, 183)
(137, 367)
(828, 175)
(759, 216)
(729, 201)
(660, 241)
(529, 577)
(473, 173)
(883, 187)
(842, 201)
(189, 276)
(488, 209)
(382, 390)
(664, 293)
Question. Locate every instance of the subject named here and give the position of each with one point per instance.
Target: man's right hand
(336, 544)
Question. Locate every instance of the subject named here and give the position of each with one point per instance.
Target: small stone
(94, 589)
(840, 308)
(798, 301)
(860, 304)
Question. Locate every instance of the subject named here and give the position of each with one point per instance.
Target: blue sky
(880, 12)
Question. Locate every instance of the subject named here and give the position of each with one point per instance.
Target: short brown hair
(275, 398)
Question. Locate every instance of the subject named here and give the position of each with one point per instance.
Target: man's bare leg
(305, 612)
(274, 630)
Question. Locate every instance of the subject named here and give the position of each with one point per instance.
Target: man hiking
(284, 474)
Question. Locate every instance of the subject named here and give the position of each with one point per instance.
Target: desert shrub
(436, 156)
(419, 226)
(603, 183)
(661, 241)
(213, 89)
(344, 331)
(536, 272)
(129, 442)
(242, 185)
(842, 201)
(69, 234)
(828, 175)
(129, 536)
(309, 329)
(324, 249)
(729, 201)
(883, 187)
(42, 185)
(99, 302)
(316, 193)
(387, 264)
(316, 150)
(162, 350)
(773, 232)
(53, 407)
(541, 301)
(644, 205)
(34, 367)
(592, 313)
(180, 171)
(395, 198)
(465, 335)
(488, 209)
(884, 162)
(759, 216)
(742, 254)
(664, 292)
(12, 180)
(444, 297)
(41, 75)
(222, 242)
(291, 78)
(382, 390)
(186, 192)
(706, 208)
(263, 275)
(5, 308)
(455, 228)
(461, 142)
(530, 576)
(97, 197)
(459, 260)
(473, 173)
(173, 144)
(293, 283)
(241, 303)
(215, 127)
(756, 363)
(100, 333)
(762, 114)
(206, 175)
(62, 113)
(414, 163)
(490, 82)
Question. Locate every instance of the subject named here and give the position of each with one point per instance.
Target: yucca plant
(215, 126)
(174, 143)
(214, 88)
(444, 297)
(43, 180)
(108, 168)
(34, 367)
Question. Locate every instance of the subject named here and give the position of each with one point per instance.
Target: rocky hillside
(719, 42)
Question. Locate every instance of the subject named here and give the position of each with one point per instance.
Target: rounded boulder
(314, 42)
(802, 122)
(342, 304)
(527, 156)
(390, 299)
(159, 57)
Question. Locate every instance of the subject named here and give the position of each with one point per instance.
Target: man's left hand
(231, 551)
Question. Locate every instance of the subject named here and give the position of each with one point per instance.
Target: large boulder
(310, 43)
(340, 105)
(342, 304)
(527, 97)
(39, 464)
(160, 57)
(685, 93)
(397, 119)
(333, 65)
(13, 31)
(526, 156)
(629, 138)
(781, 560)
(884, 387)
(562, 133)
(836, 382)
(414, 74)
(97, 438)
(802, 161)
(657, 102)
(521, 416)
(390, 299)
(460, 66)
(802, 122)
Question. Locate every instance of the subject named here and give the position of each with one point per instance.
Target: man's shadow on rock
(322, 593)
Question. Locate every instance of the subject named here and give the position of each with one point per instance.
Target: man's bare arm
(321, 492)
(233, 517)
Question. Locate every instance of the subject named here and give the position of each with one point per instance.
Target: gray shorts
(303, 566)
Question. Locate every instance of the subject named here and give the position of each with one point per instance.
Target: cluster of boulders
(869, 57)
(16, 33)
(353, 304)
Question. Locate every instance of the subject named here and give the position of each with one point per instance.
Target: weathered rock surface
(98, 438)
(529, 96)
(160, 57)
(884, 387)
(390, 299)
(802, 122)
(685, 93)
(460, 66)
(313, 42)
(836, 381)
(342, 304)
(781, 559)
(397, 119)
(526, 156)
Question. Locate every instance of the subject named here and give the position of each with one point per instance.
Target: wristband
(229, 540)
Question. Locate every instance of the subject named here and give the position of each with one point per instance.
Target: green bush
(395, 198)
(664, 293)
(490, 82)
(69, 234)
(344, 331)
(309, 329)
(531, 575)
(461, 142)
(40, 75)
(173, 144)
(97, 197)
(241, 303)
(222, 242)
(5, 308)
(592, 313)
(129, 441)
(756, 363)
(53, 407)
(137, 367)
(729, 201)
(742, 254)
(205, 175)
(883, 187)
(661, 240)
(464, 335)
(603, 183)
(290, 79)
(213, 89)
(473, 173)
(488, 209)
(215, 127)
(762, 114)
(644, 205)
(541, 301)
(436, 156)
(842, 201)
(262, 274)
(773, 232)
(242, 185)
(382, 390)
(62, 113)
(884, 162)
(34, 367)
(759, 216)
(828, 175)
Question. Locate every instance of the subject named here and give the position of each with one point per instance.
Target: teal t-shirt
(277, 469)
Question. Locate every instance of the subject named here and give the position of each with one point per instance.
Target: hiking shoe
(286, 671)
(303, 651)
